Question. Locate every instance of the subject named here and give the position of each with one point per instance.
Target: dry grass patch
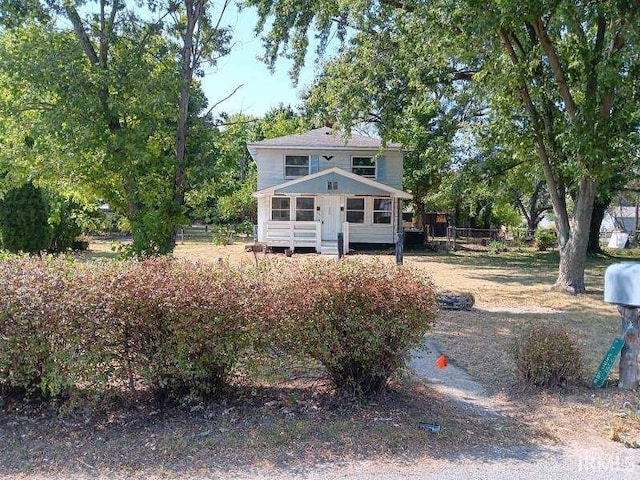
(512, 292)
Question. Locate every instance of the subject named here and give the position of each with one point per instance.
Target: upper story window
(365, 166)
(296, 165)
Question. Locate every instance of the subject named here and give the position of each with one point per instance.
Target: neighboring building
(315, 185)
(621, 219)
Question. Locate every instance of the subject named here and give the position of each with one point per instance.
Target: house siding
(370, 233)
(270, 163)
(345, 186)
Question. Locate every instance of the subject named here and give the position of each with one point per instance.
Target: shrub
(222, 235)
(244, 228)
(496, 247)
(546, 356)
(208, 316)
(544, 239)
(64, 224)
(31, 328)
(180, 328)
(153, 230)
(174, 326)
(358, 318)
(181, 325)
(24, 220)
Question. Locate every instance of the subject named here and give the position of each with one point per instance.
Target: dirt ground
(291, 420)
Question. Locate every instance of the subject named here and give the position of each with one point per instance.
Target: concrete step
(329, 248)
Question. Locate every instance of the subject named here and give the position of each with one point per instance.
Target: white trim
(394, 192)
(331, 221)
(292, 234)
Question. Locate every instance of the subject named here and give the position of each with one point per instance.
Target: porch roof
(348, 183)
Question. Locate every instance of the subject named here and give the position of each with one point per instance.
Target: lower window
(355, 210)
(305, 208)
(382, 210)
(280, 209)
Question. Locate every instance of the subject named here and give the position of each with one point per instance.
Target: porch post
(292, 239)
(345, 231)
(318, 236)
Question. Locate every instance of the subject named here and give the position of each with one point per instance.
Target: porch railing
(293, 234)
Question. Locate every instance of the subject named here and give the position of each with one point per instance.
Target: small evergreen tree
(24, 220)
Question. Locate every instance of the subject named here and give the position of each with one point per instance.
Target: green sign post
(607, 362)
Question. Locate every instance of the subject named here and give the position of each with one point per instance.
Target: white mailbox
(622, 284)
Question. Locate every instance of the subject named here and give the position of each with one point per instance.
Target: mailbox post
(622, 287)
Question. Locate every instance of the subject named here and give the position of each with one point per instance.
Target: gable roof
(325, 138)
(314, 183)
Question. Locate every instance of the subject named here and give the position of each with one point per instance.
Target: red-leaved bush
(175, 326)
(179, 328)
(359, 318)
(31, 330)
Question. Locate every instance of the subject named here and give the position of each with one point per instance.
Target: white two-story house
(316, 185)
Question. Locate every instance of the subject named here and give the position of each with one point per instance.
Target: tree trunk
(532, 225)
(599, 209)
(194, 11)
(420, 214)
(573, 248)
(629, 368)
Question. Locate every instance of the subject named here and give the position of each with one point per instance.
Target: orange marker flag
(441, 362)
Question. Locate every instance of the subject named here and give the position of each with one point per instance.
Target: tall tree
(569, 70)
(203, 39)
(377, 81)
(107, 102)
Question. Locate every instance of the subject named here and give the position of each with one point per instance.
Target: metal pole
(399, 249)
(635, 230)
(399, 233)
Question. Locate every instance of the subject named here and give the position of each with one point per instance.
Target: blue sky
(261, 90)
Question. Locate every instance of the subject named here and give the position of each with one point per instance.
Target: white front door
(331, 217)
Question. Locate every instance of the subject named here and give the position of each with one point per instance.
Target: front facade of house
(314, 186)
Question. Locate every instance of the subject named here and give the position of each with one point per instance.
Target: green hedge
(180, 328)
